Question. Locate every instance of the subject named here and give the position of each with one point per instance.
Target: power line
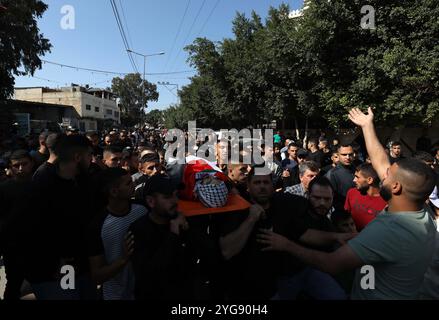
(126, 24)
(110, 72)
(164, 85)
(208, 17)
(123, 35)
(48, 80)
(177, 34)
(130, 42)
(189, 33)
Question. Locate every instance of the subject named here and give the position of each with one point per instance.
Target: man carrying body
(398, 244)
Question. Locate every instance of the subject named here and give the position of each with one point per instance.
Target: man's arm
(322, 238)
(333, 263)
(233, 243)
(376, 151)
(101, 271)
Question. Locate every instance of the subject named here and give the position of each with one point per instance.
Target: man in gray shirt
(393, 252)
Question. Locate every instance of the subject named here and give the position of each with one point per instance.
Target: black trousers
(14, 276)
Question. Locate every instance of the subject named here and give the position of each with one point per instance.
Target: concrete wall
(79, 100)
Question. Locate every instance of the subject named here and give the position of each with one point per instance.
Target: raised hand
(359, 118)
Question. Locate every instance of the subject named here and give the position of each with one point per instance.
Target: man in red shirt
(364, 201)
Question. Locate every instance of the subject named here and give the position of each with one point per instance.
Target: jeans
(317, 284)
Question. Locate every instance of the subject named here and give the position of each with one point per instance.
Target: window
(109, 112)
(116, 114)
(88, 107)
(96, 109)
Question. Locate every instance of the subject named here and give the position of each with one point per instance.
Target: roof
(39, 104)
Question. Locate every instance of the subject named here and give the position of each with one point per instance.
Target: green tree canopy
(22, 44)
(319, 65)
(134, 95)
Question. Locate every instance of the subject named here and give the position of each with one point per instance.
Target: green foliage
(154, 118)
(318, 65)
(21, 45)
(134, 94)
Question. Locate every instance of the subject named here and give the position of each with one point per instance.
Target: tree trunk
(296, 124)
(305, 139)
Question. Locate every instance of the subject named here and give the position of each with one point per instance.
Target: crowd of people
(108, 205)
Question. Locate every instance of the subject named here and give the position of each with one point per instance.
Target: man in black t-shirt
(163, 259)
(53, 226)
(14, 193)
(315, 153)
(250, 273)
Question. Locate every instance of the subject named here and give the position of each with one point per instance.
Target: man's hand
(128, 246)
(342, 238)
(285, 174)
(361, 119)
(273, 241)
(179, 223)
(256, 212)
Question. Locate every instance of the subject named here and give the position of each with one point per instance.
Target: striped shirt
(114, 229)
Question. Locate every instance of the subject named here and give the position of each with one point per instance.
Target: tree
(154, 118)
(134, 94)
(21, 45)
(393, 68)
(319, 65)
(177, 117)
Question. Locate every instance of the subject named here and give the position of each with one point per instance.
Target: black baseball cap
(302, 153)
(159, 184)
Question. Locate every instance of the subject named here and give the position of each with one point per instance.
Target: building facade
(94, 106)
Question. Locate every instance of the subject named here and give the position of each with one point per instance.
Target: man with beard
(249, 273)
(398, 245)
(319, 285)
(364, 201)
(53, 225)
(13, 194)
(163, 260)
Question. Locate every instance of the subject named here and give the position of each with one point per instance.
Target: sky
(92, 39)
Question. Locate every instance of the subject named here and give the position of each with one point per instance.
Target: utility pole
(142, 116)
(170, 84)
